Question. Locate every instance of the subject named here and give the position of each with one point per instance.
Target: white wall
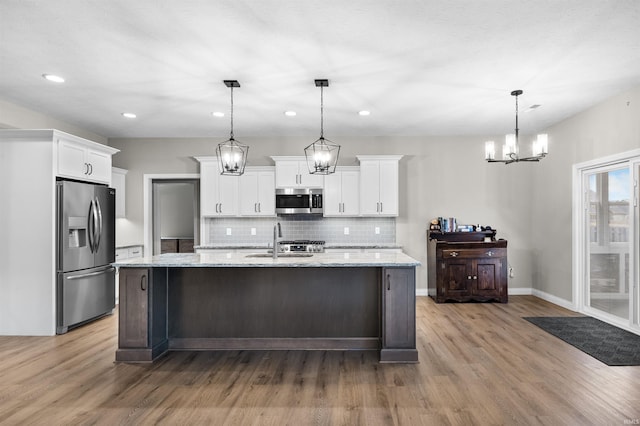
(608, 128)
(16, 117)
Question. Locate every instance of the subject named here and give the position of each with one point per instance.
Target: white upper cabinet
(218, 193)
(84, 160)
(118, 181)
(342, 192)
(379, 185)
(257, 191)
(292, 172)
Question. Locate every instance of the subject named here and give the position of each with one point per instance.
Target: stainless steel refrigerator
(85, 251)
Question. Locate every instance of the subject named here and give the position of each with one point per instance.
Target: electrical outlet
(253, 231)
(228, 231)
(346, 230)
(377, 230)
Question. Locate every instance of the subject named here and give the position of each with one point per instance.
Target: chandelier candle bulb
(489, 150)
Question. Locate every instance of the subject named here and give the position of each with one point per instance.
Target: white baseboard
(555, 300)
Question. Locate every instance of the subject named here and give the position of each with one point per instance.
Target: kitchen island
(239, 301)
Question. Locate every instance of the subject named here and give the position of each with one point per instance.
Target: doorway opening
(171, 213)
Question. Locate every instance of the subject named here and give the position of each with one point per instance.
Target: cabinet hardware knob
(489, 253)
(454, 254)
(468, 277)
(475, 277)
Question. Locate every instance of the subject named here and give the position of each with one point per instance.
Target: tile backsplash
(329, 229)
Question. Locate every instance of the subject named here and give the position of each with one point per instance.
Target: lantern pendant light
(232, 155)
(322, 155)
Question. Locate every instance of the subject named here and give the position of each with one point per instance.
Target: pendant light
(510, 150)
(322, 155)
(232, 155)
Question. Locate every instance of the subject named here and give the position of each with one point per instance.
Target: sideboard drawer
(474, 253)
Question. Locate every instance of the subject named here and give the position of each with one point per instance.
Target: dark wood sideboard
(464, 267)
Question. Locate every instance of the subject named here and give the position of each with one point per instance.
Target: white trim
(608, 160)
(579, 238)
(422, 292)
(147, 199)
(555, 300)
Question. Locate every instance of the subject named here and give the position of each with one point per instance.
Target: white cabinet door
(341, 196)
(80, 161)
(71, 160)
(307, 180)
(389, 188)
(370, 188)
(350, 193)
(379, 186)
(218, 193)
(118, 181)
(99, 166)
(295, 174)
(208, 188)
(332, 194)
(227, 195)
(267, 193)
(257, 193)
(287, 174)
(248, 188)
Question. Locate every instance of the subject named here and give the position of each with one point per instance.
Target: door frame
(147, 197)
(580, 237)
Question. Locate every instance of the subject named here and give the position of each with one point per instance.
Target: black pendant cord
(231, 134)
(321, 112)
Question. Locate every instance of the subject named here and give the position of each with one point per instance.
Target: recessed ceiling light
(364, 113)
(54, 78)
(290, 113)
(217, 114)
(128, 115)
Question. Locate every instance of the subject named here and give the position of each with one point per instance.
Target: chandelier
(232, 155)
(322, 155)
(510, 150)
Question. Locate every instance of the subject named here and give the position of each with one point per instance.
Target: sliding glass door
(607, 262)
(609, 243)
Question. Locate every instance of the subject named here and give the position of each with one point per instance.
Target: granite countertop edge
(268, 246)
(322, 260)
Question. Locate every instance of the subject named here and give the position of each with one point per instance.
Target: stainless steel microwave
(298, 201)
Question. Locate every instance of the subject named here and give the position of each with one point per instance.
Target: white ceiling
(422, 67)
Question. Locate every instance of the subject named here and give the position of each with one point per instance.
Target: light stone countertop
(243, 260)
(326, 246)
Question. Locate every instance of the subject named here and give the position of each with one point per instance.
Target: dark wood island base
(266, 308)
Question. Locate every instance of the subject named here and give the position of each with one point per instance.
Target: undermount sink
(280, 255)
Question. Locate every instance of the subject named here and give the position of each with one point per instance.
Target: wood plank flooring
(480, 364)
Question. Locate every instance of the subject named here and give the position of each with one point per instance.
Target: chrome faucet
(277, 233)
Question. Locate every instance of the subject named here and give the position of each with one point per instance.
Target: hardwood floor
(471, 372)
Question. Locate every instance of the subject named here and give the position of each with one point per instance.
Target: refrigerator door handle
(99, 229)
(90, 227)
(91, 274)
